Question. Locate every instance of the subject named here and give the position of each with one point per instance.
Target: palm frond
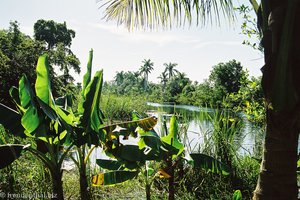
(163, 13)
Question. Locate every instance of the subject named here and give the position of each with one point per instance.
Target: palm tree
(145, 70)
(119, 78)
(279, 23)
(170, 69)
(163, 78)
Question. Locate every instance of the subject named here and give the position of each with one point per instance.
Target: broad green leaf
(9, 153)
(85, 82)
(68, 117)
(25, 93)
(42, 84)
(237, 195)
(210, 164)
(109, 164)
(112, 178)
(172, 137)
(11, 120)
(131, 153)
(91, 118)
(30, 120)
(88, 75)
(49, 112)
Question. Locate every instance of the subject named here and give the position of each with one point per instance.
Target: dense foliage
(20, 52)
(228, 86)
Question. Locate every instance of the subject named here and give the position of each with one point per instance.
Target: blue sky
(195, 49)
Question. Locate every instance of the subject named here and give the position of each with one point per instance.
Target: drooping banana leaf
(112, 178)
(9, 153)
(61, 128)
(172, 137)
(129, 128)
(11, 120)
(209, 163)
(109, 164)
(30, 119)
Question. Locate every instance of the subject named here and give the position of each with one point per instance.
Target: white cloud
(159, 38)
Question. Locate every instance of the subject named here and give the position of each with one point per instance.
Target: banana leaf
(91, 118)
(42, 84)
(86, 80)
(112, 178)
(109, 164)
(210, 164)
(30, 117)
(172, 137)
(130, 128)
(10, 152)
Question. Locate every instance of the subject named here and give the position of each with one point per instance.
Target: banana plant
(89, 129)
(132, 159)
(38, 117)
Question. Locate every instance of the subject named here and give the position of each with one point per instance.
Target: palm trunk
(278, 174)
(278, 177)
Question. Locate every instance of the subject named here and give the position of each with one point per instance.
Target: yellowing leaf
(162, 174)
(98, 180)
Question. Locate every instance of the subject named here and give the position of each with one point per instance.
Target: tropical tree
(18, 55)
(20, 52)
(170, 69)
(145, 69)
(279, 25)
(119, 78)
(163, 78)
(58, 39)
(227, 75)
(53, 33)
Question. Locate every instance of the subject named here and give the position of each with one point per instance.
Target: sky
(195, 49)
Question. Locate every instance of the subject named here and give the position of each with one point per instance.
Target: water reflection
(198, 133)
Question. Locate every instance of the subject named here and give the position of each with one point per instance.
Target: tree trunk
(57, 185)
(148, 191)
(281, 42)
(84, 187)
(278, 177)
(171, 179)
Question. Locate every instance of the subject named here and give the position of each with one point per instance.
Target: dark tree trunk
(148, 191)
(171, 179)
(84, 187)
(57, 185)
(278, 176)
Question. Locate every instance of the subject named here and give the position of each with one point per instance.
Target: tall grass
(116, 107)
